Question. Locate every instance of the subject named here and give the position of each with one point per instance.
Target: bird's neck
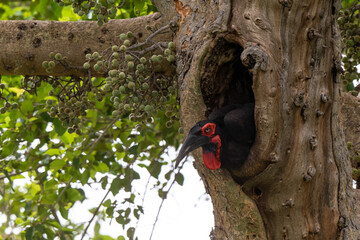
(211, 153)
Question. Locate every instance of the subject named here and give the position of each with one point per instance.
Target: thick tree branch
(24, 45)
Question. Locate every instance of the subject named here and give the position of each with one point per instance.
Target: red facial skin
(208, 129)
(211, 159)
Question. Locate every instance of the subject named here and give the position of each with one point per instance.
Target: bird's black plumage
(230, 140)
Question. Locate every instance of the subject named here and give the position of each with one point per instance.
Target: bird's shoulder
(237, 121)
(221, 112)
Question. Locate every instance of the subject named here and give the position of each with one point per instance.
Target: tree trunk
(285, 56)
(298, 172)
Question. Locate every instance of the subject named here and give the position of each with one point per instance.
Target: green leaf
(28, 207)
(64, 212)
(73, 195)
(349, 87)
(155, 168)
(162, 194)
(16, 90)
(76, 162)
(179, 178)
(131, 174)
(104, 182)
(59, 129)
(85, 176)
(8, 148)
(8, 176)
(97, 228)
(49, 198)
(57, 164)
(68, 138)
(168, 174)
(46, 117)
(53, 223)
(107, 203)
(50, 184)
(29, 234)
(130, 232)
(110, 211)
(102, 167)
(19, 221)
(133, 149)
(92, 115)
(27, 106)
(116, 186)
(54, 151)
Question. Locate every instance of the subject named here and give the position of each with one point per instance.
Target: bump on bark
(299, 99)
(313, 142)
(254, 57)
(324, 98)
(310, 173)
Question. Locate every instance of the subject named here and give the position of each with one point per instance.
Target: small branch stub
(310, 173)
(253, 57)
(305, 110)
(260, 23)
(313, 142)
(342, 222)
(299, 99)
(324, 98)
(313, 34)
(317, 228)
(319, 113)
(286, 3)
(274, 157)
(289, 203)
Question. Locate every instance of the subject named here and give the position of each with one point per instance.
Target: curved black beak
(191, 143)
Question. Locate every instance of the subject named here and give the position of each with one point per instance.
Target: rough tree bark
(285, 56)
(298, 172)
(26, 44)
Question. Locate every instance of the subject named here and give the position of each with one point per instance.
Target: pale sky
(186, 213)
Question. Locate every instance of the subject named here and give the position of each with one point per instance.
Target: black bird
(226, 137)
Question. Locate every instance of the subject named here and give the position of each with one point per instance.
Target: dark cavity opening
(226, 80)
(257, 191)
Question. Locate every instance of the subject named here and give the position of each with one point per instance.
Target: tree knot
(299, 99)
(310, 173)
(254, 57)
(313, 142)
(286, 3)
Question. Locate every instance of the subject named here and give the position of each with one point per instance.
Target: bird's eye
(208, 129)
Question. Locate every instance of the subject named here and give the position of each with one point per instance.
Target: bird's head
(204, 134)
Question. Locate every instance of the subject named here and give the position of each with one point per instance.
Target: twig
(101, 136)
(151, 48)
(23, 171)
(121, 4)
(163, 200)
(143, 200)
(149, 38)
(53, 212)
(95, 213)
(63, 191)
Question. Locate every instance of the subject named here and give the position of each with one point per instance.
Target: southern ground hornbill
(226, 137)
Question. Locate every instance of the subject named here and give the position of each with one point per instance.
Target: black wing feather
(240, 125)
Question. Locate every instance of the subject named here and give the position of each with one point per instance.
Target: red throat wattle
(212, 159)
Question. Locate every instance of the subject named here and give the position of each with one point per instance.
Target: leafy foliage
(57, 162)
(350, 31)
(349, 23)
